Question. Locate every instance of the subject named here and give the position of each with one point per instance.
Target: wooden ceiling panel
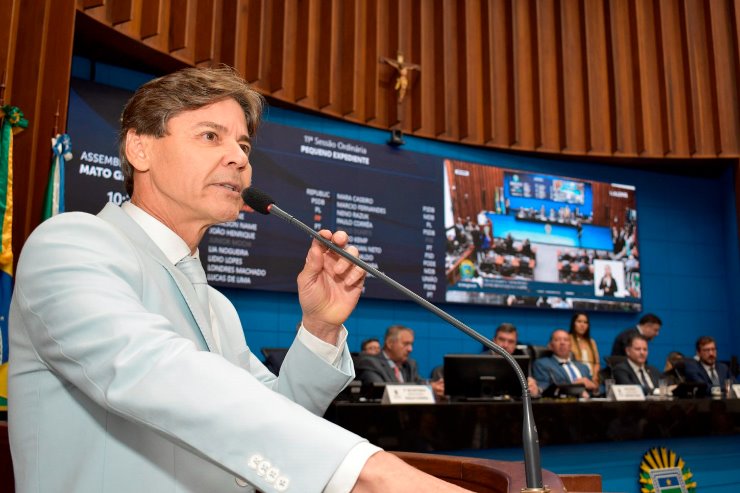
(622, 78)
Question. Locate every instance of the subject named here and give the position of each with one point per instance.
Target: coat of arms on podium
(662, 471)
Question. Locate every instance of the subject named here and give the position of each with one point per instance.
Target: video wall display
(448, 230)
(533, 239)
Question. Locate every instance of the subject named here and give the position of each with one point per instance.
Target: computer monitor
(482, 376)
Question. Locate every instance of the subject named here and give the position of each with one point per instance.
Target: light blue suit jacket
(113, 388)
(548, 371)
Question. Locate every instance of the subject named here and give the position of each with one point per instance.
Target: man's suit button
(241, 482)
(272, 474)
(254, 461)
(281, 484)
(263, 468)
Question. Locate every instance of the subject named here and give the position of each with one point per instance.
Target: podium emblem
(663, 471)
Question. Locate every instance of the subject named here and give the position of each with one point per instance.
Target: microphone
(264, 204)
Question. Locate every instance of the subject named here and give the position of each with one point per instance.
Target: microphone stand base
(544, 489)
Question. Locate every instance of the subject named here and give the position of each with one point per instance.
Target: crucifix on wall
(403, 72)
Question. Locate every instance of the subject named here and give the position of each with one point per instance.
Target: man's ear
(137, 150)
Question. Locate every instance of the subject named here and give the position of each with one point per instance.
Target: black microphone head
(257, 200)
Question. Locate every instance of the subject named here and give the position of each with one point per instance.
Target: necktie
(713, 376)
(645, 384)
(571, 371)
(397, 371)
(193, 270)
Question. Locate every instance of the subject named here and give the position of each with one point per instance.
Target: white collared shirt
(709, 368)
(393, 364)
(570, 364)
(175, 249)
(636, 369)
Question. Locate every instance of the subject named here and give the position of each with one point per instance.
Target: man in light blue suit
(560, 368)
(129, 373)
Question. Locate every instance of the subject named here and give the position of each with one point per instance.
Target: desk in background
(484, 425)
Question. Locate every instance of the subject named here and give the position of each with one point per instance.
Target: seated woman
(584, 347)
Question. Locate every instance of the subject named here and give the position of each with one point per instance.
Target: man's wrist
(328, 333)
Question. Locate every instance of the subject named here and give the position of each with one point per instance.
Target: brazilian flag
(11, 122)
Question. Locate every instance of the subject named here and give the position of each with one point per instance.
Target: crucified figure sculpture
(403, 69)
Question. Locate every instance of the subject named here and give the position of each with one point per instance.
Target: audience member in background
(370, 346)
(393, 364)
(583, 345)
(648, 327)
(506, 337)
(560, 369)
(707, 370)
(671, 372)
(635, 371)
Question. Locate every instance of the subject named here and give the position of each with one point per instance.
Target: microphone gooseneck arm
(530, 440)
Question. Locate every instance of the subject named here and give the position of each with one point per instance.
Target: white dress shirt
(708, 369)
(175, 249)
(636, 369)
(569, 364)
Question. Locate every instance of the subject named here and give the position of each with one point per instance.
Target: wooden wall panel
(550, 90)
(573, 71)
(9, 12)
(600, 84)
(120, 11)
(502, 81)
(38, 71)
(148, 15)
(702, 78)
(226, 26)
(525, 68)
(652, 97)
(724, 34)
(413, 117)
(621, 78)
(178, 25)
(204, 28)
(627, 115)
(248, 40)
(452, 66)
(679, 124)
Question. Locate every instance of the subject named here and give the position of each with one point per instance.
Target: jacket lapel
(115, 216)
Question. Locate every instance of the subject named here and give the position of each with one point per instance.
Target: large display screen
(388, 201)
(451, 231)
(519, 238)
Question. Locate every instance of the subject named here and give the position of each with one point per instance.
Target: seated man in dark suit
(674, 371)
(506, 337)
(370, 346)
(635, 371)
(707, 370)
(648, 327)
(393, 363)
(560, 369)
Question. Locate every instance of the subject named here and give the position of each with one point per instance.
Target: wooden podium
(481, 475)
(493, 476)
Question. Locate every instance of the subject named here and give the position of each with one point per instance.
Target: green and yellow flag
(61, 151)
(11, 122)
